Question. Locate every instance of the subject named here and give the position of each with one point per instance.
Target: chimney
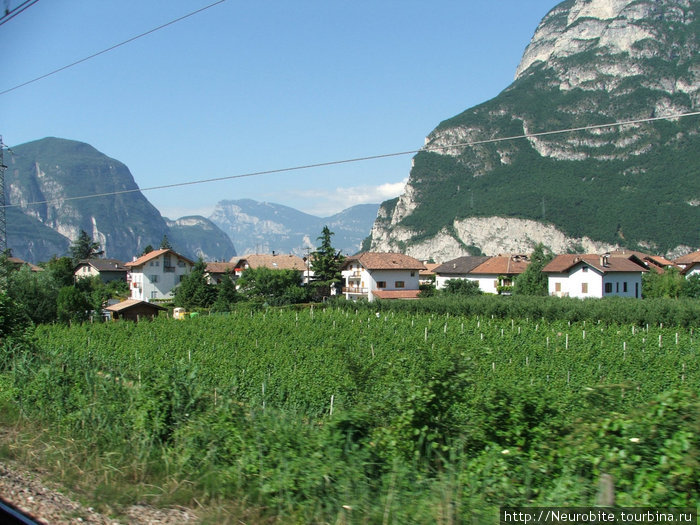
(605, 260)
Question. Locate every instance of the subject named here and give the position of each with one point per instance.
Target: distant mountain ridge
(56, 173)
(590, 62)
(263, 227)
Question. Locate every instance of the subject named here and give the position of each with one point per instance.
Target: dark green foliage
(61, 270)
(461, 287)
(239, 406)
(84, 248)
(226, 295)
(668, 284)
(193, 291)
(13, 319)
(532, 281)
(326, 263)
(165, 243)
(274, 287)
(73, 305)
(35, 293)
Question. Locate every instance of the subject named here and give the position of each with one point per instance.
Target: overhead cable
(11, 13)
(111, 48)
(427, 148)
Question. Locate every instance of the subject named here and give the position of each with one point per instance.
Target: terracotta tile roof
(689, 258)
(563, 263)
(503, 265)
(385, 261)
(220, 267)
(16, 261)
(275, 262)
(429, 269)
(396, 294)
(130, 303)
(461, 265)
(153, 255)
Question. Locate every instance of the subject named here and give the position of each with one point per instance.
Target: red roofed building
(496, 274)
(372, 275)
(156, 274)
(689, 264)
(592, 275)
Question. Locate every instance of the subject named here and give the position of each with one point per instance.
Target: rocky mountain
(590, 63)
(46, 179)
(263, 227)
(202, 236)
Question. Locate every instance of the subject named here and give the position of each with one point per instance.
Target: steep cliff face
(263, 227)
(199, 237)
(53, 171)
(44, 178)
(590, 62)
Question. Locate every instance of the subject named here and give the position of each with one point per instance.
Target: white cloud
(324, 202)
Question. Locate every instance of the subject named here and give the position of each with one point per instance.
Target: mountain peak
(604, 26)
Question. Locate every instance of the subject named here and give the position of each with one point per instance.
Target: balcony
(169, 269)
(355, 290)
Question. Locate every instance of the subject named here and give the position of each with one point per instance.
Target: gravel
(26, 491)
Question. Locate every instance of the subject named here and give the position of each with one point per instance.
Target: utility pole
(3, 218)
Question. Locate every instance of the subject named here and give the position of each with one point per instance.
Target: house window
(557, 287)
(381, 284)
(413, 274)
(399, 284)
(624, 286)
(608, 287)
(584, 287)
(154, 278)
(617, 287)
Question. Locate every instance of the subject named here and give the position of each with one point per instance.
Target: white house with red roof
(372, 275)
(592, 275)
(689, 264)
(155, 274)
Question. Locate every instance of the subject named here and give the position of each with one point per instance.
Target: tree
(35, 293)
(73, 305)
(226, 296)
(147, 249)
(668, 284)
(326, 263)
(194, 291)
(61, 270)
(532, 281)
(165, 243)
(462, 287)
(84, 248)
(274, 287)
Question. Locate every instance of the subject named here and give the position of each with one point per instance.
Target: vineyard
(361, 416)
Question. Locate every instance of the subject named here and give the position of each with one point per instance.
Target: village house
(215, 272)
(428, 276)
(16, 263)
(372, 276)
(592, 275)
(272, 261)
(689, 264)
(134, 310)
(458, 268)
(496, 274)
(156, 274)
(106, 269)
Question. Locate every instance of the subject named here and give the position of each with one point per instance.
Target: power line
(111, 48)
(11, 13)
(360, 159)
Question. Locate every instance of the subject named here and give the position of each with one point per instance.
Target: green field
(356, 416)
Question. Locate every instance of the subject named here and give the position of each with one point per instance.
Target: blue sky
(251, 86)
